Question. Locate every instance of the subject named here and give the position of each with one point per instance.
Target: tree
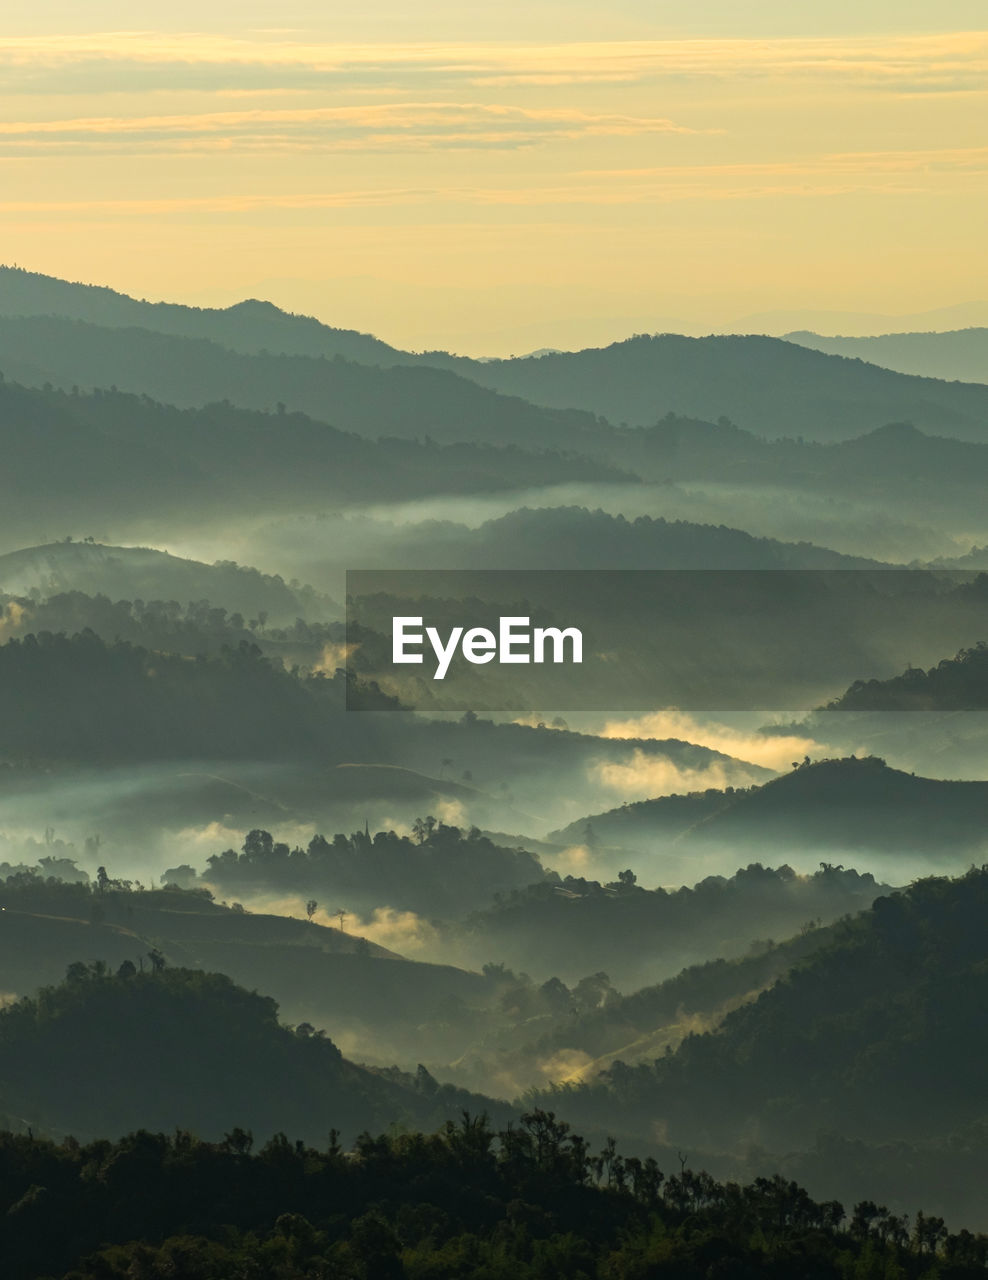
(310, 909)
(422, 828)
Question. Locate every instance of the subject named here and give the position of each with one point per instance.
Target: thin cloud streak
(892, 60)
(353, 127)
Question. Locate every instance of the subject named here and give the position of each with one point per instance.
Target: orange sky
(492, 187)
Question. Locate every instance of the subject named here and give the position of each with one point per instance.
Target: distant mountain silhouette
(409, 402)
(771, 387)
(250, 326)
(767, 385)
(861, 323)
(895, 455)
(961, 354)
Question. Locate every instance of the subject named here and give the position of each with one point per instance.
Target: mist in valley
(510, 902)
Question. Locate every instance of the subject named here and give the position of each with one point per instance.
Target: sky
(495, 179)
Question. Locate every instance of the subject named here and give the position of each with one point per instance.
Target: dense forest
(190, 1049)
(871, 1037)
(571, 924)
(533, 1200)
(954, 684)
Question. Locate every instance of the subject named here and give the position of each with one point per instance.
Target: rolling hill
(843, 806)
(182, 1048)
(131, 573)
(115, 458)
(954, 684)
(250, 326)
(375, 999)
(568, 926)
(877, 1037)
(411, 402)
(257, 355)
(766, 385)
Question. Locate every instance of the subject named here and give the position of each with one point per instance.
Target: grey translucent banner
(529, 641)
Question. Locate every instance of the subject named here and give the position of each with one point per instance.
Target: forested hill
(79, 698)
(567, 925)
(370, 997)
(118, 455)
(771, 386)
(574, 537)
(954, 684)
(878, 1036)
(93, 569)
(766, 385)
(877, 1039)
(847, 803)
(251, 326)
(181, 1048)
(410, 402)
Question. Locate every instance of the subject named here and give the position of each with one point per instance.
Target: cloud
(869, 59)
(333, 657)
(565, 1066)
(907, 160)
(577, 860)
(12, 618)
(767, 750)
(354, 127)
(644, 776)
(401, 931)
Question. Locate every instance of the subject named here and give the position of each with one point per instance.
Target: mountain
(878, 1037)
(376, 1000)
(954, 684)
(571, 1039)
(756, 632)
(439, 871)
(766, 385)
(571, 537)
(132, 573)
(638, 1026)
(862, 323)
(895, 459)
(65, 698)
(250, 326)
(960, 355)
(182, 1048)
(407, 402)
(568, 926)
(113, 457)
(837, 806)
